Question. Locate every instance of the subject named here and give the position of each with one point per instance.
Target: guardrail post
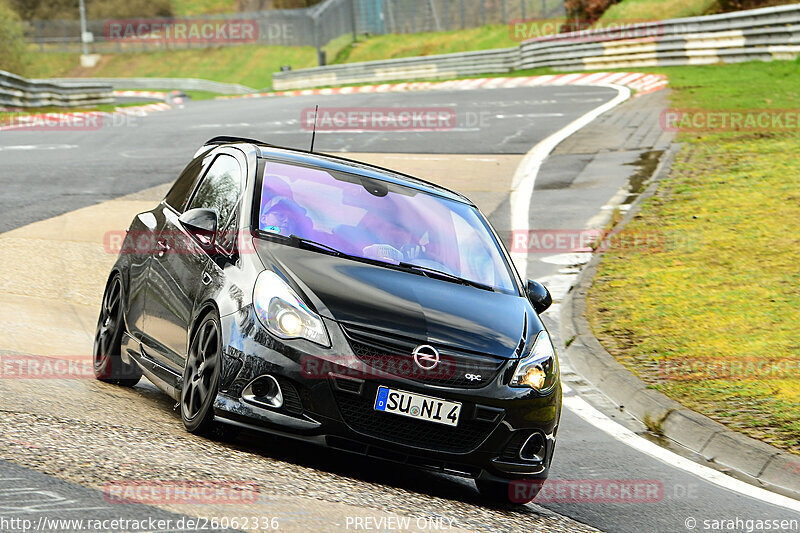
(503, 10)
(354, 19)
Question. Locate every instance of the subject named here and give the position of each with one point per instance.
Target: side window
(220, 188)
(179, 193)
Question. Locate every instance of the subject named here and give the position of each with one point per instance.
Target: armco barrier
(184, 84)
(16, 91)
(759, 34)
(499, 61)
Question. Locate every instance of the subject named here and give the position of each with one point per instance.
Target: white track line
(521, 194)
(525, 176)
(581, 407)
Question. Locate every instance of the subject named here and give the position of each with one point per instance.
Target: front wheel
(108, 364)
(200, 376)
(517, 492)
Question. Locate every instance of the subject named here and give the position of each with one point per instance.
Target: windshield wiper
(308, 243)
(432, 272)
(425, 271)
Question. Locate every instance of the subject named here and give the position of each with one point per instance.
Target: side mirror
(539, 296)
(201, 223)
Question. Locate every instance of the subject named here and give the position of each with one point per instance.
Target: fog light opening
(534, 448)
(264, 390)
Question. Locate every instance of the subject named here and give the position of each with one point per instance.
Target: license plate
(417, 406)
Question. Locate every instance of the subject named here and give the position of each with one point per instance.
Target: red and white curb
(80, 120)
(640, 82)
(141, 94)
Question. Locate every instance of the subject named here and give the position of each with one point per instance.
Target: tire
(108, 364)
(201, 377)
(509, 492)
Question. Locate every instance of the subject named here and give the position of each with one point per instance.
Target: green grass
(423, 44)
(253, 65)
(638, 10)
(723, 290)
(249, 65)
(201, 7)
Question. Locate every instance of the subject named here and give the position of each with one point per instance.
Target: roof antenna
(314, 131)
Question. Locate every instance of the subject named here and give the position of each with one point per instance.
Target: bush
(13, 53)
(583, 12)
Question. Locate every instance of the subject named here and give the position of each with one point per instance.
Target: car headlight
(283, 313)
(539, 369)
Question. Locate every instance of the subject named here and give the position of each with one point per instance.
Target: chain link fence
(314, 26)
(413, 16)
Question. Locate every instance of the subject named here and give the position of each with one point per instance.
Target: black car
(344, 304)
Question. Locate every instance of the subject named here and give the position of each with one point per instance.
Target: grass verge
(249, 65)
(253, 65)
(637, 10)
(424, 44)
(710, 316)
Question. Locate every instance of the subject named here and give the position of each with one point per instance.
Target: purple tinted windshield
(382, 221)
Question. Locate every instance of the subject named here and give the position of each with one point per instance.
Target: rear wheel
(200, 377)
(108, 364)
(517, 492)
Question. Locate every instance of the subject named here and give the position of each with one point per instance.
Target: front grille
(358, 413)
(394, 356)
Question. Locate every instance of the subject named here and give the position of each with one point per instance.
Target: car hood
(405, 304)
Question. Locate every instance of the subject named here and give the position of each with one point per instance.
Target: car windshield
(381, 221)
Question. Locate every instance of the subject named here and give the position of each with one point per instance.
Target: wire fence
(314, 26)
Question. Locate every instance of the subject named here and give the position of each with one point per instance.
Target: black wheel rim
(198, 378)
(108, 324)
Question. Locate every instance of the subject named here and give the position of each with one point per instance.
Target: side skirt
(161, 376)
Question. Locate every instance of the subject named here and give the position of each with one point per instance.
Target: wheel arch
(209, 306)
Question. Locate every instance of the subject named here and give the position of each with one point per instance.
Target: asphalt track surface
(44, 174)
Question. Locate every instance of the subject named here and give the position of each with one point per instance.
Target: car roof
(342, 164)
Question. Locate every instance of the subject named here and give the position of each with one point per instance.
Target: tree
(13, 52)
(586, 12)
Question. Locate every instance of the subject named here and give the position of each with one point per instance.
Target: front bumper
(329, 399)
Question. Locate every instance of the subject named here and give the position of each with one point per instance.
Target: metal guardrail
(16, 91)
(758, 34)
(184, 84)
(440, 66)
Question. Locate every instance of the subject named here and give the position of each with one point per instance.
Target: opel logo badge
(426, 356)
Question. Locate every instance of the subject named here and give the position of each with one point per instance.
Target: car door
(140, 240)
(181, 267)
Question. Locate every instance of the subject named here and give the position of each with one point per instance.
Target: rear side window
(220, 188)
(179, 193)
